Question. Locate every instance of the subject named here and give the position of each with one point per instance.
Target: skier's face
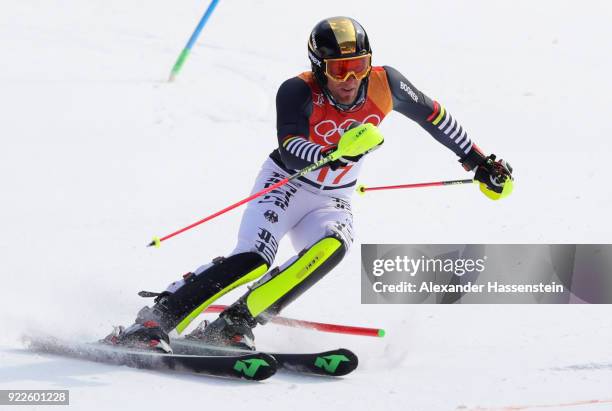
(345, 92)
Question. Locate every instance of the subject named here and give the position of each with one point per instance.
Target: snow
(99, 153)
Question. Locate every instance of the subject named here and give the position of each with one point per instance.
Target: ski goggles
(342, 69)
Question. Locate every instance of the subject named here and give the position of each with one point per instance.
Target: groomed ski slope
(99, 153)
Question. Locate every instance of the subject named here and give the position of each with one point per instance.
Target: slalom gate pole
(194, 37)
(329, 328)
(157, 241)
(363, 189)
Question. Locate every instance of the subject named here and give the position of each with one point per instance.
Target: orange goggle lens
(342, 69)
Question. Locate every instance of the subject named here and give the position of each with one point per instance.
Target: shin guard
(179, 308)
(281, 286)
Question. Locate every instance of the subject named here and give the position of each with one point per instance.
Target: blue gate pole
(194, 37)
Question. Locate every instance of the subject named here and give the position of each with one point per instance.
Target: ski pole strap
(312, 325)
(362, 188)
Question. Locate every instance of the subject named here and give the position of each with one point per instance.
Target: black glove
(494, 174)
(345, 160)
(342, 161)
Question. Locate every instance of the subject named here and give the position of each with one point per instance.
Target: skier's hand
(342, 161)
(358, 140)
(495, 177)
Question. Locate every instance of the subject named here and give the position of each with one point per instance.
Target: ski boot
(232, 329)
(148, 336)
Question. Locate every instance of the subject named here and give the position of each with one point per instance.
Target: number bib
(327, 124)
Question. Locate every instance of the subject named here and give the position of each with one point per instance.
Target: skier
(341, 97)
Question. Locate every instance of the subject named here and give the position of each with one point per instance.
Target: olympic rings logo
(328, 128)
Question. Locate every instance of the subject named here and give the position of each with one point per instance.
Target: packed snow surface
(99, 153)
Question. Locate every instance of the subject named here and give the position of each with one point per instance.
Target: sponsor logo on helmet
(313, 41)
(314, 59)
(409, 91)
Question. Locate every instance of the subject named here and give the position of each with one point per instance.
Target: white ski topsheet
(99, 154)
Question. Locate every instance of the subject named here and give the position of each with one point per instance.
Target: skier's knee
(265, 244)
(343, 231)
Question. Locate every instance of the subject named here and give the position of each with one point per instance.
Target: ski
(336, 362)
(242, 365)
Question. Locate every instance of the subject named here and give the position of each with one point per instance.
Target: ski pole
(330, 328)
(362, 188)
(357, 141)
(157, 241)
(194, 37)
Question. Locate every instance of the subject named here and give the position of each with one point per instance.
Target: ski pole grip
(156, 242)
(359, 140)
